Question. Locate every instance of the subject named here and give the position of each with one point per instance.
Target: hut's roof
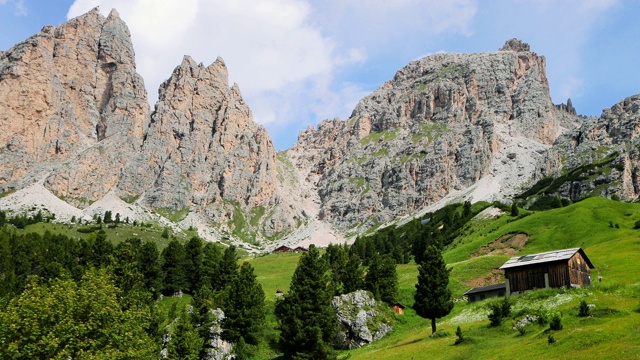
(486, 288)
(544, 257)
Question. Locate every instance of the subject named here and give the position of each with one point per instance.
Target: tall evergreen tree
(382, 278)
(228, 268)
(100, 251)
(433, 297)
(352, 276)
(211, 258)
(306, 318)
(186, 343)
(243, 306)
(337, 259)
(193, 263)
(149, 267)
(173, 267)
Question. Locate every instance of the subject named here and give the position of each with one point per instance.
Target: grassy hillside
(612, 332)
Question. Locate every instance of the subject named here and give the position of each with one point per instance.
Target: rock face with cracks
(442, 124)
(362, 320)
(76, 122)
(73, 108)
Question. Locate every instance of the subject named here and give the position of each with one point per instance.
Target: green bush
(551, 339)
(499, 310)
(556, 322)
(583, 310)
(460, 338)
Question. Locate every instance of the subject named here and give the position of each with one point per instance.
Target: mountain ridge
(448, 127)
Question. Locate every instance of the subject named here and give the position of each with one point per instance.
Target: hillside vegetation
(604, 228)
(477, 244)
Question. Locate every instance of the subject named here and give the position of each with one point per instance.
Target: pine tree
(337, 259)
(433, 298)
(185, 342)
(228, 268)
(306, 318)
(101, 250)
(173, 267)
(193, 263)
(382, 279)
(211, 257)
(243, 306)
(514, 209)
(352, 276)
(149, 267)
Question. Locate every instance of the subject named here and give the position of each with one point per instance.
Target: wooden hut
(559, 268)
(282, 249)
(398, 308)
(485, 292)
(300, 249)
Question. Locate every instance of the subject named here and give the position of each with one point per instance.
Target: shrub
(615, 197)
(551, 339)
(556, 322)
(499, 310)
(514, 209)
(460, 338)
(637, 225)
(583, 310)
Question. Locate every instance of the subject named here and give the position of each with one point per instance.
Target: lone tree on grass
(305, 316)
(433, 298)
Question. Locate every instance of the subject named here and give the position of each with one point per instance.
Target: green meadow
(603, 228)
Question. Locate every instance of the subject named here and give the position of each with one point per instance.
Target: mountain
(73, 108)
(78, 131)
(472, 124)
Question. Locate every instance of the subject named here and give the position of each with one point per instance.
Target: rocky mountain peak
(115, 47)
(515, 45)
(64, 93)
(441, 125)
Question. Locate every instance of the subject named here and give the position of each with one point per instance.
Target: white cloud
(286, 55)
(19, 7)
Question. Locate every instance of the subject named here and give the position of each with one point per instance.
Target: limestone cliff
(442, 124)
(601, 157)
(75, 118)
(72, 103)
(203, 150)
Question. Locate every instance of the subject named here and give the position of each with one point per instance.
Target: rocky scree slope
(447, 123)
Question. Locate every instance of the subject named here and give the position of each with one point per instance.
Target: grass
(612, 332)
(149, 232)
(274, 272)
(375, 137)
(173, 215)
(7, 193)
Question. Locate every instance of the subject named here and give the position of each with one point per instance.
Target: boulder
(362, 319)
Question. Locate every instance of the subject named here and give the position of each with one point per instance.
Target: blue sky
(300, 61)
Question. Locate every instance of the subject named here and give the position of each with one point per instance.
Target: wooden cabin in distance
(398, 308)
(282, 249)
(559, 268)
(485, 292)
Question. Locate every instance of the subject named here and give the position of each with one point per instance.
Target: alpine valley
(79, 138)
